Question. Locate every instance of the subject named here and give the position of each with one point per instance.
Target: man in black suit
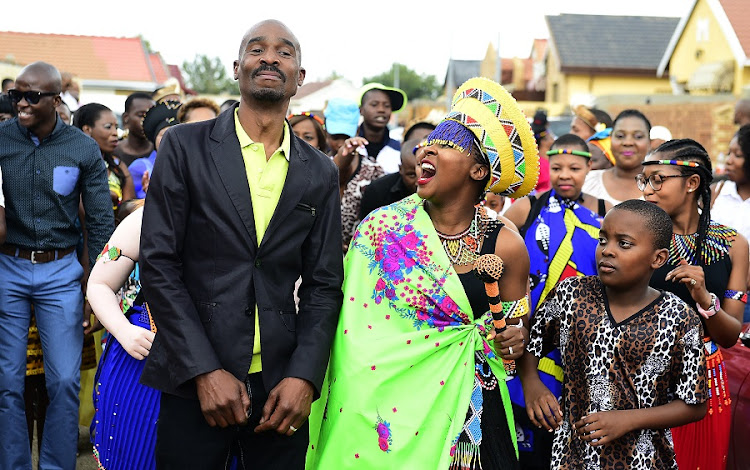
(237, 210)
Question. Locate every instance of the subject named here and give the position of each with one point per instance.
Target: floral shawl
(402, 364)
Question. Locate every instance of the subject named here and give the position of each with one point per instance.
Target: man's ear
(659, 258)
(301, 76)
(125, 118)
(236, 66)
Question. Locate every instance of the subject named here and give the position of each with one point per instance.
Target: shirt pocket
(64, 179)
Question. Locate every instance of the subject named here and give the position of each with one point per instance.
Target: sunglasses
(315, 117)
(31, 97)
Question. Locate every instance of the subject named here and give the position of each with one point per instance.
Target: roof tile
(635, 43)
(88, 57)
(739, 16)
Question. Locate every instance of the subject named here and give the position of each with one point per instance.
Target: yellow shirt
(266, 179)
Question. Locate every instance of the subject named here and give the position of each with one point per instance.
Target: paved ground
(85, 459)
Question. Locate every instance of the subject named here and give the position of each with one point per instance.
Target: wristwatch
(712, 309)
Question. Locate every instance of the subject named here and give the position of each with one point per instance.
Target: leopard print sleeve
(548, 325)
(689, 364)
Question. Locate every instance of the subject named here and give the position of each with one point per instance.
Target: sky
(354, 38)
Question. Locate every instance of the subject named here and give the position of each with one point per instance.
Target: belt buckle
(33, 256)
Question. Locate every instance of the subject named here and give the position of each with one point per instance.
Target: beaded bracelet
(736, 295)
(580, 153)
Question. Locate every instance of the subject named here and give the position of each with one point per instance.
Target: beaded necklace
(718, 240)
(464, 248)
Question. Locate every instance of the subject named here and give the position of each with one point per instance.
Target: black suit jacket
(203, 272)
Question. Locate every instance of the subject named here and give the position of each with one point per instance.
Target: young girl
(707, 268)
(632, 355)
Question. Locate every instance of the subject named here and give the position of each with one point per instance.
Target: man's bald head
(44, 74)
(253, 33)
(742, 112)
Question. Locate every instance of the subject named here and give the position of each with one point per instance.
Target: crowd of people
(304, 291)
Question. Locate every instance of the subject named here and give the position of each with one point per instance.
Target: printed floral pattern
(385, 438)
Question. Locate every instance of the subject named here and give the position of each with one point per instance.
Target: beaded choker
(580, 153)
(464, 248)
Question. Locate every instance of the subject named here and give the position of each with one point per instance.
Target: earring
(690, 190)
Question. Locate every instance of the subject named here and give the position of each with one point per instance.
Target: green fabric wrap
(402, 365)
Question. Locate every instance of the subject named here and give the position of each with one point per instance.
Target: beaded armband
(736, 295)
(516, 308)
(111, 253)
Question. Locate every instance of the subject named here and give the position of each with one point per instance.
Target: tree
(415, 85)
(208, 75)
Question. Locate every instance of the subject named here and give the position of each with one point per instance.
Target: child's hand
(541, 406)
(603, 427)
(510, 343)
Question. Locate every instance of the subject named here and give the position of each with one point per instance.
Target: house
(709, 51)
(109, 68)
(594, 55)
(313, 96)
(515, 74)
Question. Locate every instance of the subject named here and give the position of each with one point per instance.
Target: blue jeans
(54, 290)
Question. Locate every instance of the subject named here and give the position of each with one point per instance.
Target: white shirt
(731, 210)
(594, 186)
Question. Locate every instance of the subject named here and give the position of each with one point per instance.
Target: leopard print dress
(647, 360)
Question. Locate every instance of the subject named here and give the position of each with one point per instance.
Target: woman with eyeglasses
(707, 268)
(630, 143)
(100, 123)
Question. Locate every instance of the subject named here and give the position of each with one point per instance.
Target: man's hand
(287, 407)
(88, 325)
(223, 398)
(604, 427)
(541, 406)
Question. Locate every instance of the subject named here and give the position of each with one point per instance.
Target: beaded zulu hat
(499, 128)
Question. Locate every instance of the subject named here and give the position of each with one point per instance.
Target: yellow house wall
(691, 51)
(555, 77)
(617, 85)
(9, 70)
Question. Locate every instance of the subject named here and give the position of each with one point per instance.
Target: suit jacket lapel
(297, 179)
(227, 156)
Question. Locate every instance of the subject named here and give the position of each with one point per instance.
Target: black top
(474, 286)
(383, 191)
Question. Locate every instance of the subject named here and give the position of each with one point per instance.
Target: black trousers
(184, 440)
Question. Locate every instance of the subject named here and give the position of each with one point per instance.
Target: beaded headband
(315, 117)
(580, 153)
(673, 162)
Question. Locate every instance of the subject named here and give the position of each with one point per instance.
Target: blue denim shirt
(43, 183)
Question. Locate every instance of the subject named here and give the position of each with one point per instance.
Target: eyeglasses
(655, 181)
(315, 117)
(31, 97)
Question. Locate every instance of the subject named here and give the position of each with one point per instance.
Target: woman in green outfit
(416, 378)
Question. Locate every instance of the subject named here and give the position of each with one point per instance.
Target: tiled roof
(461, 70)
(88, 57)
(161, 73)
(738, 13)
(616, 43)
(310, 88)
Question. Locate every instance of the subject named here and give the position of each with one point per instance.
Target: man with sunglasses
(48, 169)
